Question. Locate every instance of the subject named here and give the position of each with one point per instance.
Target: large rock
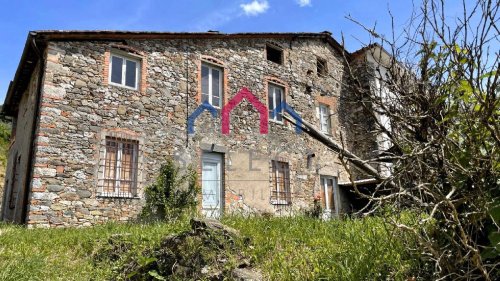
(245, 274)
(214, 225)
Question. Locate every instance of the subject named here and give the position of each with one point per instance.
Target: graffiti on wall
(243, 94)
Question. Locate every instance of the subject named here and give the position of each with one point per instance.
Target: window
(211, 84)
(324, 119)
(119, 176)
(321, 67)
(274, 54)
(275, 98)
(124, 71)
(280, 191)
(14, 183)
(329, 195)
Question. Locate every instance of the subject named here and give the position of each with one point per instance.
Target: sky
(18, 17)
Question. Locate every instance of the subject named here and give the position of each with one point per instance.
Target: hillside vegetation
(4, 148)
(297, 248)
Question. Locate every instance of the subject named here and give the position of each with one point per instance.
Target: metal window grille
(119, 173)
(280, 192)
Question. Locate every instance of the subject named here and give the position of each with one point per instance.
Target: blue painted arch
(286, 107)
(193, 116)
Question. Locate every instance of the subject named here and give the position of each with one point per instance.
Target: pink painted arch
(244, 93)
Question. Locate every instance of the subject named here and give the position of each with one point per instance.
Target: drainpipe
(34, 126)
(187, 95)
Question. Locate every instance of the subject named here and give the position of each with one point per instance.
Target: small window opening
(274, 54)
(321, 67)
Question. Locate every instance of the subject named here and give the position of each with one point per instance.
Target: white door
(330, 194)
(211, 187)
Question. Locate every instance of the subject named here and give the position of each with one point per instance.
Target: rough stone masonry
(78, 109)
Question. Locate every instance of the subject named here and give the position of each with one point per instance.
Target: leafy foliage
(4, 142)
(172, 194)
(440, 95)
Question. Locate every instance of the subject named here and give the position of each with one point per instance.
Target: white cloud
(255, 7)
(216, 19)
(304, 3)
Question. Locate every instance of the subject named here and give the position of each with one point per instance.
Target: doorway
(330, 196)
(211, 186)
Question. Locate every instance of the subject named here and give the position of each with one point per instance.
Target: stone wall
(18, 156)
(365, 139)
(357, 117)
(78, 105)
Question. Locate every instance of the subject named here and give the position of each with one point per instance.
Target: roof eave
(42, 36)
(13, 85)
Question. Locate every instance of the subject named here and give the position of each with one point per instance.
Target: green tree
(441, 96)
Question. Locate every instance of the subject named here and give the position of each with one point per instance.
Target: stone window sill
(112, 84)
(117, 196)
(280, 202)
(276, 121)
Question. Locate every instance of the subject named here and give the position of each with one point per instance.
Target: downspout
(187, 96)
(34, 129)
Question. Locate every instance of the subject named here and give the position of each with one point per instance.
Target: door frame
(218, 158)
(335, 192)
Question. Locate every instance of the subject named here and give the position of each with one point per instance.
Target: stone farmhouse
(96, 113)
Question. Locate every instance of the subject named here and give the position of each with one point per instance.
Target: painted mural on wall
(246, 94)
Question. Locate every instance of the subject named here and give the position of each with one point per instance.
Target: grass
(66, 254)
(283, 248)
(301, 248)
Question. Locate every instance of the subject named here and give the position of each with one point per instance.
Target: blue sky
(19, 16)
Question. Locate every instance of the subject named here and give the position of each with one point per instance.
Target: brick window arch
(128, 56)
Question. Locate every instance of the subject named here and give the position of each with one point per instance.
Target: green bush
(172, 195)
(4, 142)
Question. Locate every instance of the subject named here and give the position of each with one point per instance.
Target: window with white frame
(276, 95)
(329, 195)
(280, 189)
(212, 84)
(324, 119)
(119, 174)
(124, 71)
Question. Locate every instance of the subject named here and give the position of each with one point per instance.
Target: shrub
(172, 195)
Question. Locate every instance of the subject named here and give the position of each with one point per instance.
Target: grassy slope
(284, 248)
(307, 249)
(66, 254)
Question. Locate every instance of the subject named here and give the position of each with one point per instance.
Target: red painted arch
(244, 93)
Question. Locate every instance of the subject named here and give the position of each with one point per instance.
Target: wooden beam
(355, 160)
